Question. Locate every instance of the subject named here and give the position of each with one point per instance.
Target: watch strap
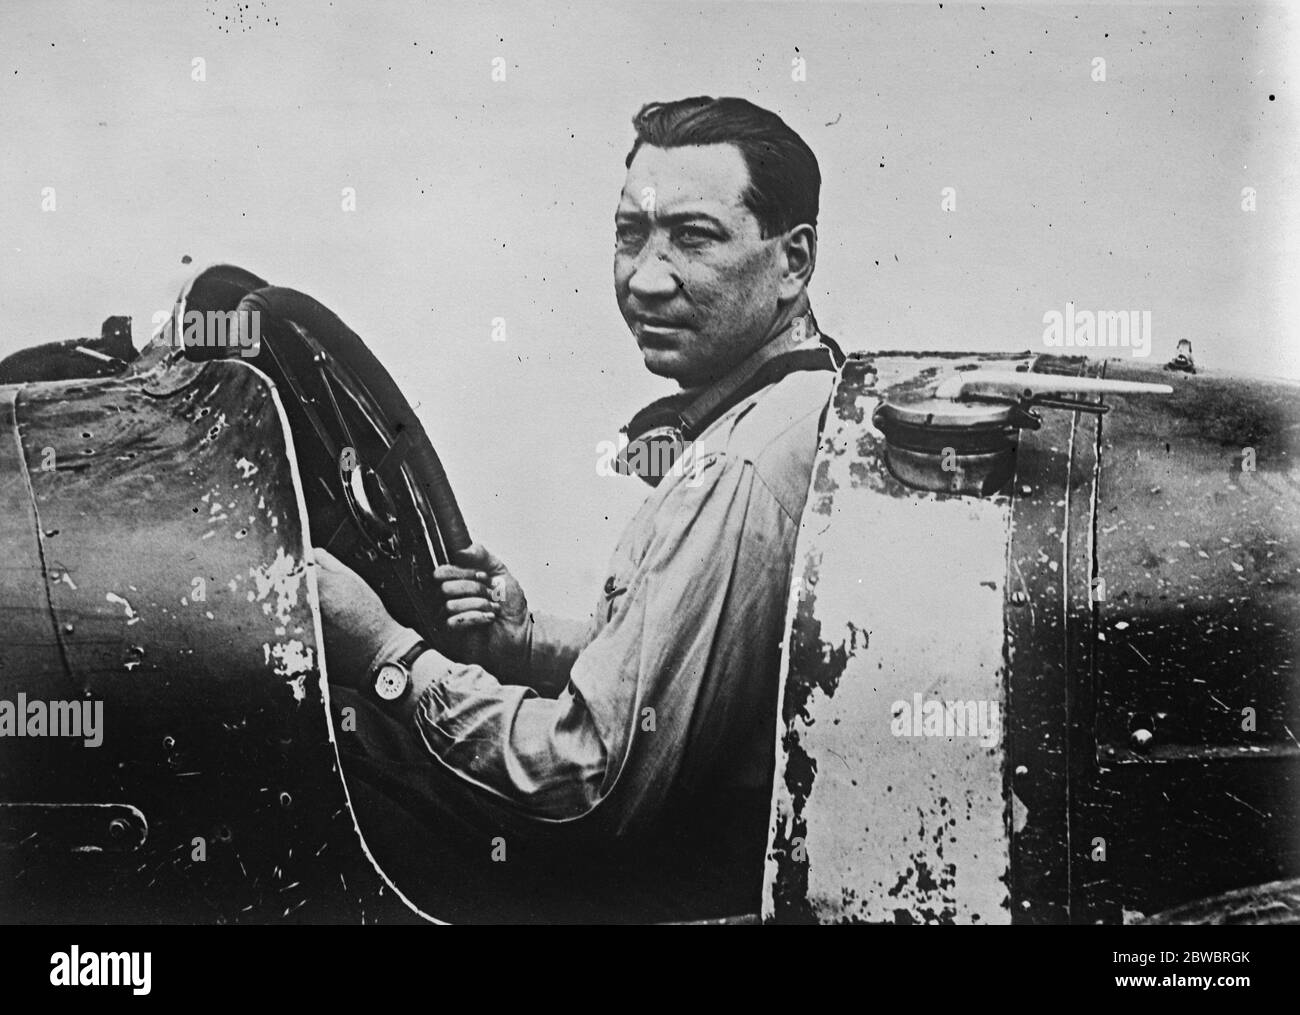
(407, 658)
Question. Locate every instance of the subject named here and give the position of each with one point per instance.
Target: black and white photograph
(724, 463)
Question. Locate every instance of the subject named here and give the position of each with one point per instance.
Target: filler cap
(961, 435)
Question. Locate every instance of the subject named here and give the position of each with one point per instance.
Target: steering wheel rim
(390, 513)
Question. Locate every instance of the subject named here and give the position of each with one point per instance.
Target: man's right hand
(479, 593)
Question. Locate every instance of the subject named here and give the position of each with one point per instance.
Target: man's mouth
(651, 328)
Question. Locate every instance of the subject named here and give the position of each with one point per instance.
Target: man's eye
(693, 236)
(628, 235)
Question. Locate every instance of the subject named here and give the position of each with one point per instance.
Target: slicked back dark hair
(784, 178)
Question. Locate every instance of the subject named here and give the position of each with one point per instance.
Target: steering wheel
(377, 495)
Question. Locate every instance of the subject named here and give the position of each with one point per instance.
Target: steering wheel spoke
(307, 404)
(394, 458)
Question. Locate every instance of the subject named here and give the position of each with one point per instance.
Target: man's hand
(478, 592)
(358, 629)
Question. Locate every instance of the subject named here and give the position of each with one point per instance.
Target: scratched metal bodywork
(898, 593)
(1130, 578)
(123, 499)
(1049, 639)
(1201, 622)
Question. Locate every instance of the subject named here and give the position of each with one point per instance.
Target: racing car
(1039, 667)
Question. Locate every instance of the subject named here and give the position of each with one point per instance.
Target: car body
(1109, 599)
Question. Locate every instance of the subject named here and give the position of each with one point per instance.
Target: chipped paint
(113, 597)
(294, 660)
(868, 825)
(277, 585)
(1019, 814)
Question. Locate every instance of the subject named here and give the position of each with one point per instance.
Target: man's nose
(653, 275)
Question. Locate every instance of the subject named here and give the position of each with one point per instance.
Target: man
(625, 766)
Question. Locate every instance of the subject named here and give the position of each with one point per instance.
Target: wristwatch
(390, 680)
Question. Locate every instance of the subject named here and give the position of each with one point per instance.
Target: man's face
(696, 283)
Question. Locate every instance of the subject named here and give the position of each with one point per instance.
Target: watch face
(390, 682)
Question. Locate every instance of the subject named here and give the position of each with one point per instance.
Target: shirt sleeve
(544, 659)
(611, 745)
(553, 647)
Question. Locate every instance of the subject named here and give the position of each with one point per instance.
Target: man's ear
(799, 259)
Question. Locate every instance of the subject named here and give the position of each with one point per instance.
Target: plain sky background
(478, 199)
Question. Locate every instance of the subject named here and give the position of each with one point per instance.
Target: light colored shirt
(672, 686)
